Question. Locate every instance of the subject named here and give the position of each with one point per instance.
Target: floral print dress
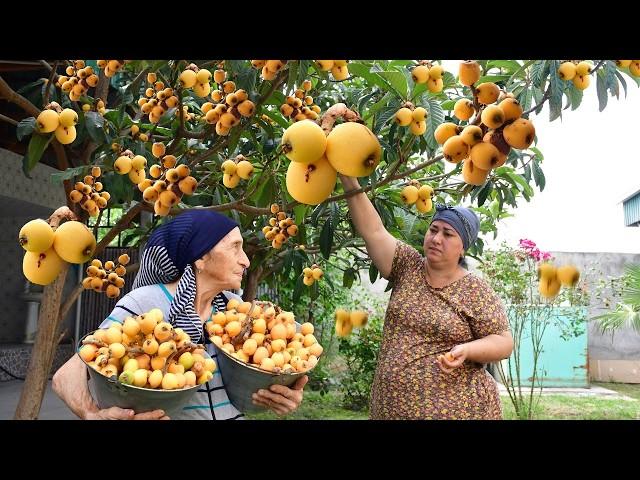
(422, 322)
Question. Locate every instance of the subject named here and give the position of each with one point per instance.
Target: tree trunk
(251, 286)
(43, 350)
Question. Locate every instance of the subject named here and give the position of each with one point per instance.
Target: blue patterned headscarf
(462, 219)
(169, 255)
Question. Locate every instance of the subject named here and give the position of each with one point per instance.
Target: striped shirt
(211, 401)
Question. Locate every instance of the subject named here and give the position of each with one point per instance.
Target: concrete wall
(611, 357)
(21, 200)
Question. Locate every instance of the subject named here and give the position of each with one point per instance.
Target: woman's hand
(115, 413)
(281, 399)
(452, 359)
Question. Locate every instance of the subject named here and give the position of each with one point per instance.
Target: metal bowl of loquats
(110, 392)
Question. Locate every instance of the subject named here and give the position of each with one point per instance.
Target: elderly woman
(442, 323)
(186, 270)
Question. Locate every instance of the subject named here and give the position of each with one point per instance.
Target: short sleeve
(405, 259)
(489, 315)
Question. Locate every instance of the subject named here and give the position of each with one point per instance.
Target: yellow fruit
(436, 71)
(424, 205)
(202, 89)
(583, 68)
(472, 174)
(343, 327)
(582, 82)
(568, 275)
(471, 135)
(493, 116)
(138, 163)
(404, 117)
(567, 71)
(304, 142)
(520, 133)
(511, 108)
(455, 149)
(230, 181)
(246, 108)
(435, 85)
(463, 109)
(549, 287)
(420, 74)
(623, 63)
(484, 155)
(188, 78)
(325, 65)
(203, 76)
(65, 135)
(418, 127)
(419, 114)
(308, 281)
(122, 165)
(244, 169)
(68, 117)
(353, 149)
(48, 121)
(41, 268)
(488, 93)
(74, 242)
(634, 68)
(409, 194)
(311, 183)
(425, 192)
(340, 72)
(36, 236)
(137, 176)
(547, 271)
(358, 318)
(469, 72)
(445, 131)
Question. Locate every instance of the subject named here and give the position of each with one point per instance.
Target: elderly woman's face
(225, 263)
(442, 244)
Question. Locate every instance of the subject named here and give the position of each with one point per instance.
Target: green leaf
(575, 96)
(538, 175)
(492, 78)
(448, 104)
(622, 81)
(95, 126)
(510, 66)
(371, 78)
(373, 273)
(68, 174)
(610, 78)
(297, 291)
(397, 82)
(265, 193)
(25, 127)
(348, 277)
(326, 238)
(293, 74)
(484, 193)
(525, 98)
(37, 145)
(300, 213)
(557, 88)
(601, 88)
(519, 180)
(520, 72)
(539, 71)
(434, 119)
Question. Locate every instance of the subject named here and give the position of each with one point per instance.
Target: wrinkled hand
(281, 399)
(116, 413)
(452, 359)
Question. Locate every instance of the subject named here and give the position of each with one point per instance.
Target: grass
(550, 407)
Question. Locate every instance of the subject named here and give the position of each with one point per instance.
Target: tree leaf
(622, 81)
(434, 119)
(25, 127)
(95, 126)
(484, 193)
(557, 89)
(37, 145)
(539, 71)
(575, 96)
(396, 81)
(373, 273)
(326, 238)
(297, 291)
(348, 277)
(601, 88)
(538, 175)
(510, 66)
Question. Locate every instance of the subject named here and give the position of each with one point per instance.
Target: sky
(591, 163)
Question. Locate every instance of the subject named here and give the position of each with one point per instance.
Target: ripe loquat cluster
(338, 68)
(157, 99)
(280, 228)
(429, 74)
(236, 169)
(89, 193)
(300, 106)
(312, 274)
(107, 278)
(412, 117)
(78, 79)
(551, 278)
(346, 321)
(268, 68)
(417, 194)
(61, 122)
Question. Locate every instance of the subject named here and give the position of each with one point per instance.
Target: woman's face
(442, 244)
(225, 263)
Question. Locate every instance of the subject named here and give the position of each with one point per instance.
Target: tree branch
(8, 120)
(9, 94)
(122, 224)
